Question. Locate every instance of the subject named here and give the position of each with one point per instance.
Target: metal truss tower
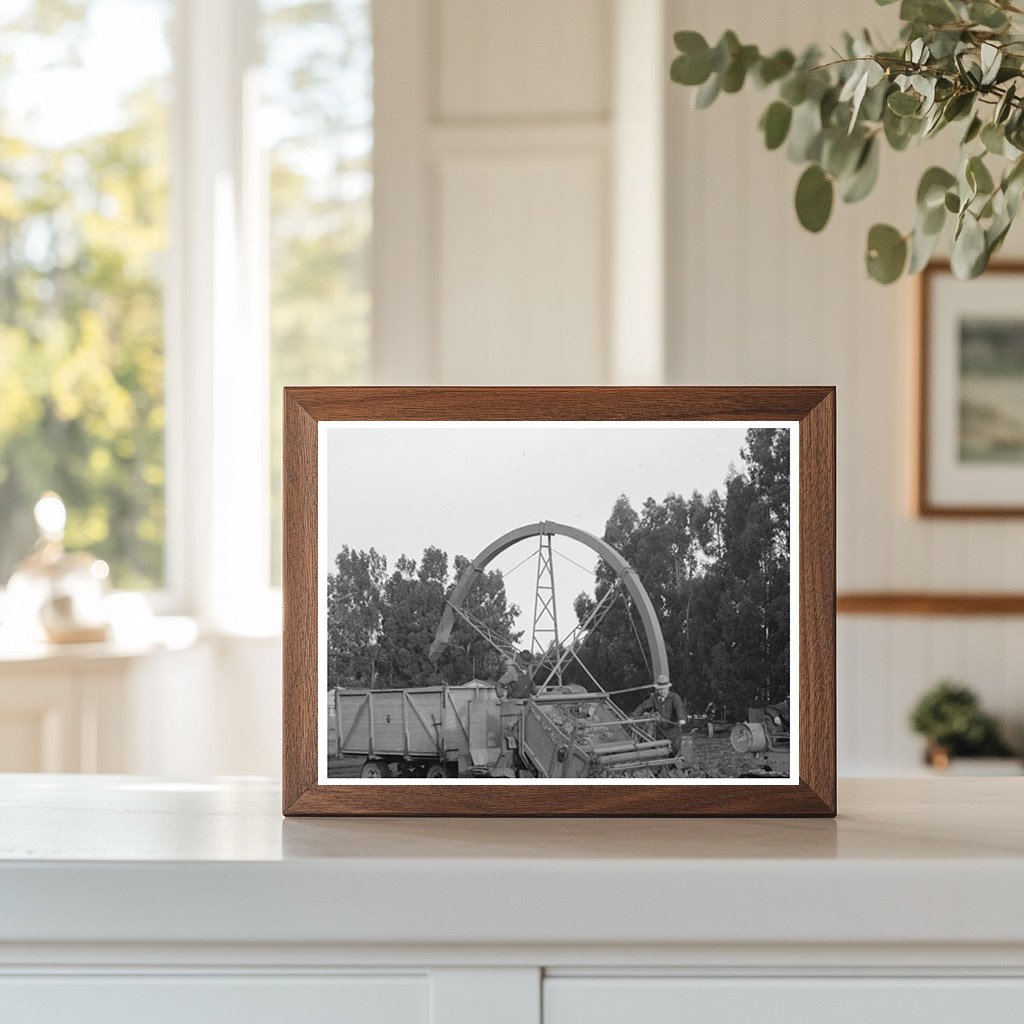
(545, 616)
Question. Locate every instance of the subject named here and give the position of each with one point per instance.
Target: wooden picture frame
(807, 412)
(943, 489)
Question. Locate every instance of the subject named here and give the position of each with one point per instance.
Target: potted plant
(950, 718)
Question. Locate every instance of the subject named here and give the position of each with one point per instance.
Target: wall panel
(521, 294)
(529, 58)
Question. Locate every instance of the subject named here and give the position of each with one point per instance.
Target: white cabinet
(133, 899)
(99, 707)
(204, 999)
(824, 1000)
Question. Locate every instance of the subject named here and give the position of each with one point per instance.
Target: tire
(372, 770)
(436, 771)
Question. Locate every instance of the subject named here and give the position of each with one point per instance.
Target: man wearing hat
(670, 710)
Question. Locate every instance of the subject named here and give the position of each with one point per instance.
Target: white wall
(754, 299)
(498, 202)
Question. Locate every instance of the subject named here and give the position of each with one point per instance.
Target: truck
(470, 731)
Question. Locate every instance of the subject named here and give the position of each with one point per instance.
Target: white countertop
(120, 859)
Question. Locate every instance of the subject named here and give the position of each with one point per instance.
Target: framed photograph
(559, 601)
(970, 450)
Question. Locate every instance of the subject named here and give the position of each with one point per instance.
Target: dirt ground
(713, 758)
(344, 767)
(716, 759)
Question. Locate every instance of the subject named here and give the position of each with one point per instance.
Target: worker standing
(670, 710)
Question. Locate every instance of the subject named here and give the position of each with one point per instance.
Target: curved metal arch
(622, 568)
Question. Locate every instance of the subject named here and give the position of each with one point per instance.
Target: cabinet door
(569, 1000)
(206, 999)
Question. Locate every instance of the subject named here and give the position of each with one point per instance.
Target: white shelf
(120, 859)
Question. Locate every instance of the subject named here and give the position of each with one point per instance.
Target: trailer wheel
(372, 770)
(437, 771)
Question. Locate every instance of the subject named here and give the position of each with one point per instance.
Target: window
(185, 222)
(317, 117)
(83, 235)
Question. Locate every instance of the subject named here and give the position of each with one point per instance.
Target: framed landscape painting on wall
(580, 601)
(970, 450)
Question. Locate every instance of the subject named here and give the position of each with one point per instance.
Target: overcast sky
(401, 488)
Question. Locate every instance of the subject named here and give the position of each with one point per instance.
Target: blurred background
(202, 201)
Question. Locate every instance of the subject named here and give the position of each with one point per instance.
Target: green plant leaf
(991, 61)
(968, 255)
(805, 133)
(952, 202)
(693, 65)
(987, 15)
(1005, 105)
(958, 106)
(794, 89)
(886, 254)
(771, 69)
(922, 247)
(735, 74)
(725, 49)
(839, 151)
(931, 191)
(973, 130)
(900, 130)
(865, 173)
(707, 93)
(978, 176)
(904, 103)
(993, 138)
(931, 221)
(814, 195)
(775, 124)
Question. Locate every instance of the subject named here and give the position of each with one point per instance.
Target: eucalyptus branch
(955, 61)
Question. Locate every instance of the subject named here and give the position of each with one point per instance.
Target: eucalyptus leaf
(900, 130)
(958, 105)
(973, 130)
(1005, 105)
(987, 15)
(968, 247)
(805, 133)
(993, 138)
(922, 248)
(978, 176)
(991, 60)
(932, 221)
(794, 88)
(724, 51)
(865, 173)
(771, 69)
(775, 124)
(886, 253)
(735, 74)
(954, 60)
(840, 152)
(692, 68)
(931, 190)
(707, 93)
(904, 103)
(814, 195)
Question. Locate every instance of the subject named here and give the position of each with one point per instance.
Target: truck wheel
(372, 770)
(437, 771)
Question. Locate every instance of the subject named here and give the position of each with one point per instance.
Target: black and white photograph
(566, 602)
